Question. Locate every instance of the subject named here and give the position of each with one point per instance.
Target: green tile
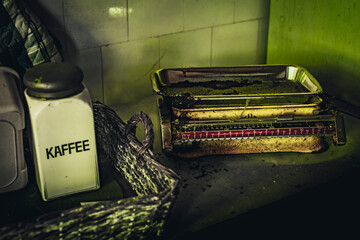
(205, 13)
(154, 18)
(91, 23)
(186, 49)
(236, 44)
(126, 70)
(251, 9)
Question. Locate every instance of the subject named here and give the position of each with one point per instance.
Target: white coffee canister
(63, 133)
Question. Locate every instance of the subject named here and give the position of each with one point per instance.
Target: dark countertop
(228, 194)
(230, 190)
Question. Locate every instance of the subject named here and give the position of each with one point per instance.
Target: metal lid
(54, 80)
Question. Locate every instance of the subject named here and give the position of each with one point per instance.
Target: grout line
(127, 20)
(259, 40)
(168, 34)
(234, 11)
(263, 39)
(102, 75)
(202, 28)
(183, 16)
(159, 53)
(266, 32)
(65, 30)
(211, 44)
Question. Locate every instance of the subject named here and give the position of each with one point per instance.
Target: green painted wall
(322, 36)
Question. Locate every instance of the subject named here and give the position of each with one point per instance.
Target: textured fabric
(24, 40)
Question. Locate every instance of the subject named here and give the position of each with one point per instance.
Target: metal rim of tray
(159, 85)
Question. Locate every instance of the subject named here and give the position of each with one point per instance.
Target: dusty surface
(257, 145)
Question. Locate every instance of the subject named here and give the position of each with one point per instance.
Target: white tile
(235, 44)
(154, 18)
(91, 23)
(251, 9)
(205, 13)
(186, 49)
(127, 68)
(89, 60)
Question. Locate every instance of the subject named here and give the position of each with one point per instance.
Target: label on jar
(67, 148)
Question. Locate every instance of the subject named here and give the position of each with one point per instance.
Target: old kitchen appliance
(13, 169)
(245, 109)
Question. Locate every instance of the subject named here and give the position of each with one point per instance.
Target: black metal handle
(148, 128)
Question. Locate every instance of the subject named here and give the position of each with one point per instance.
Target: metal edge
(165, 126)
(156, 80)
(242, 108)
(340, 135)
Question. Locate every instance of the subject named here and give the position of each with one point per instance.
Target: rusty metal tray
(221, 84)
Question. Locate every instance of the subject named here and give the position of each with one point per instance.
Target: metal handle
(148, 128)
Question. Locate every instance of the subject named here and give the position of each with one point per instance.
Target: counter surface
(222, 191)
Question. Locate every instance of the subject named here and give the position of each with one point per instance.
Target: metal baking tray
(218, 85)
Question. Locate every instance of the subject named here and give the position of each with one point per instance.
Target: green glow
(322, 36)
(38, 80)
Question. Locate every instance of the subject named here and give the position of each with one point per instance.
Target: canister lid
(54, 80)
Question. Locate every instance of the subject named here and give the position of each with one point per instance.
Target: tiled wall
(118, 43)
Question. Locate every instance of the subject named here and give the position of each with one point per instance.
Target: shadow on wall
(339, 77)
(335, 71)
(340, 82)
(54, 26)
(51, 14)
